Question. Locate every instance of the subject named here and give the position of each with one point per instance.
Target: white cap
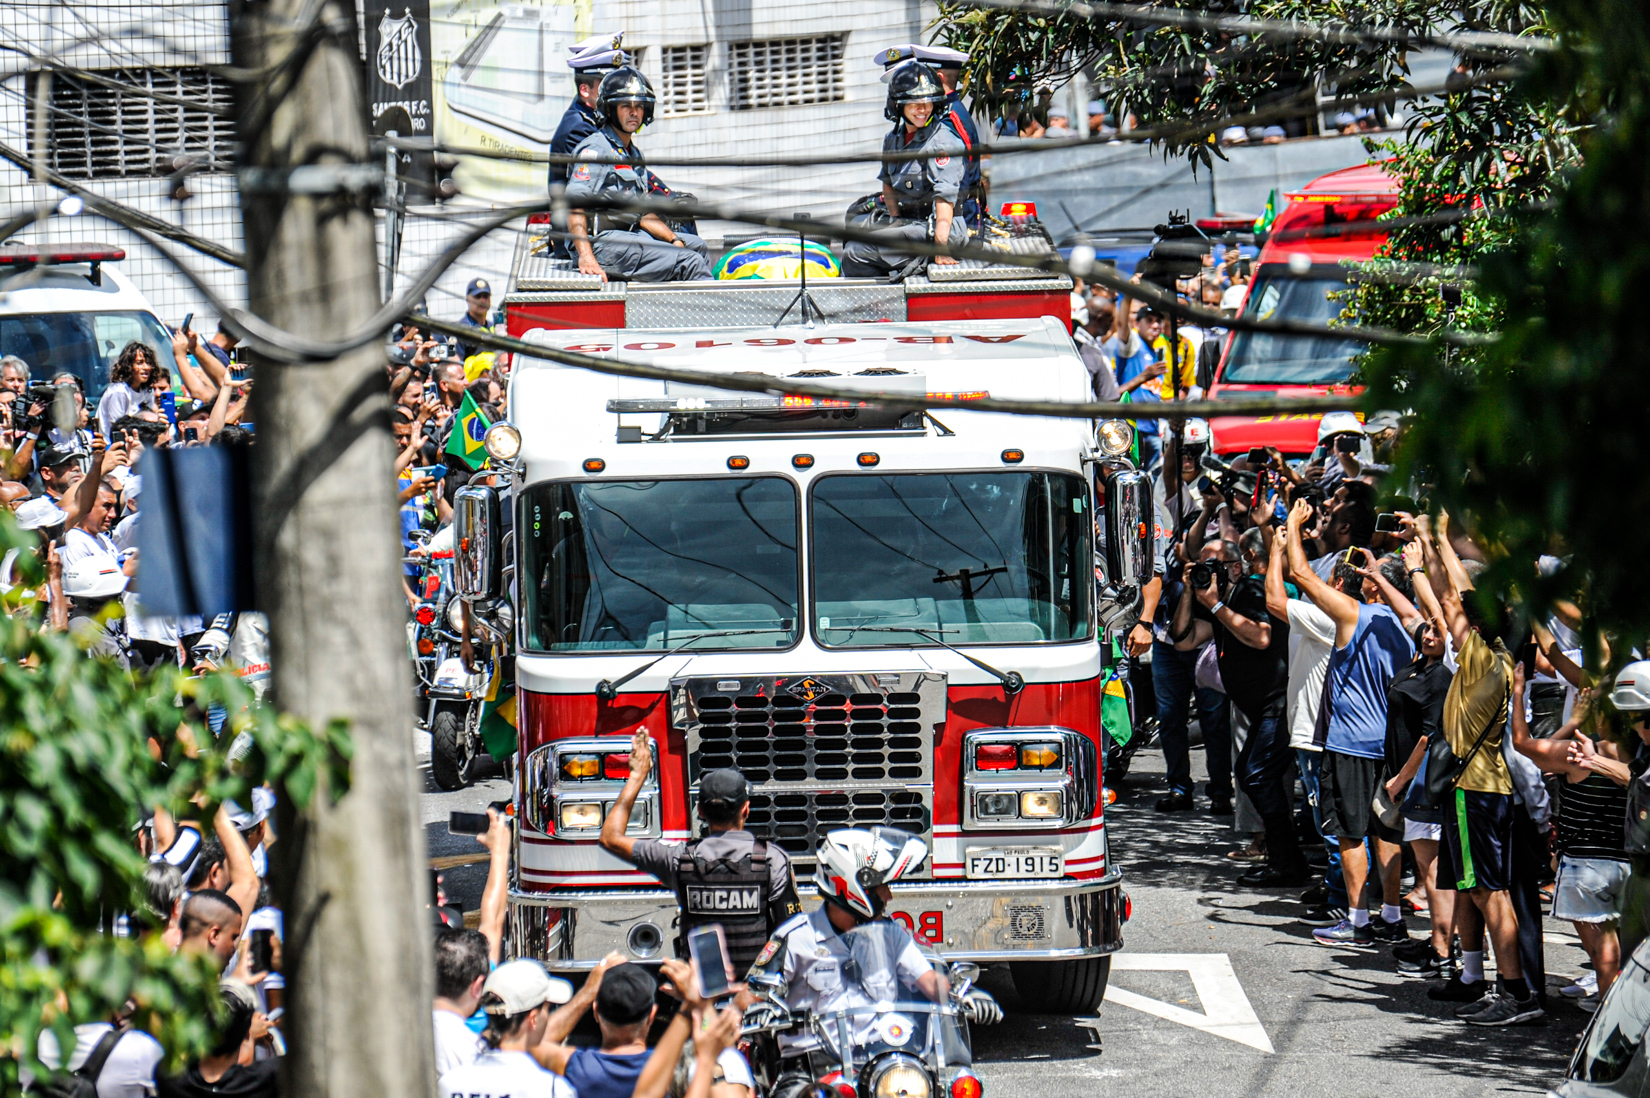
(1195, 432)
(1339, 423)
(893, 55)
(1234, 134)
(1232, 298)
(263, 802)
(1058, 112)
(1632, 692)
(942, 57)
(599, 51)
(1097, 106)
(38, 512)
(522, 985)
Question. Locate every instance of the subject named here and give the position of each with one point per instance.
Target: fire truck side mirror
(477, 530)
(1130, 528)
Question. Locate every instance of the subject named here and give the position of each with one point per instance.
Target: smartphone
(439, 352)
(1387, 523)
(169, 405)
(709, 946)
(186, 321)
(1258, 455)
(262, 948)
(439, 472)
(1527, 658)
(1347, 444)
(237, 371)
(468, 823)
(189, 434)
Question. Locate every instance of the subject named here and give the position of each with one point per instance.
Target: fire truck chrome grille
(820, 751)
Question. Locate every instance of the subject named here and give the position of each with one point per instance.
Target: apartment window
(785, 72)
(683, 80)
(96, 131)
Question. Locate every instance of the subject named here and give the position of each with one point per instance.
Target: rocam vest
(730, 891)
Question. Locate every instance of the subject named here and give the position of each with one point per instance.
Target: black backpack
(82, 1083)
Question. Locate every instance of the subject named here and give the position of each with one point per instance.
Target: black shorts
(1476, 850)
(1346, 797)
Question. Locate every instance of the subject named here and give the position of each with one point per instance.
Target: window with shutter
(683, 80)
(785, 72)
(136, 123)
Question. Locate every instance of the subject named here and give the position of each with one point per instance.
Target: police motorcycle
(449, 696)
(867, 1010)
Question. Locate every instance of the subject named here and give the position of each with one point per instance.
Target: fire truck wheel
(450, 757)
(1061, 987)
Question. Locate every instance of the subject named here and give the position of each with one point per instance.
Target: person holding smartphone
(728, 877)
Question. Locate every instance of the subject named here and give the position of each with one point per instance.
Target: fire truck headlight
(503, 442)
(996, 806)
(1116, 436)
(1041, 804)
(581, 816)
(581, 767)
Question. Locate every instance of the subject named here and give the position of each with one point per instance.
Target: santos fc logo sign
(724, 899)
(399, 59)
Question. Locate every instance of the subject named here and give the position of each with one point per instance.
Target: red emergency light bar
(539, 218)
(1019, 209)
(1226, 223)
(30, 255)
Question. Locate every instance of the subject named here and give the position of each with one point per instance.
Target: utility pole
(350, 876)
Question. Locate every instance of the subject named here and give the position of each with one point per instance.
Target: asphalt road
(1220, 990)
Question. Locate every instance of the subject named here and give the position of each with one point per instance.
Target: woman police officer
(914, 192)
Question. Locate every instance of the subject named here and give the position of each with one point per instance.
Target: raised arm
(1277, 596)
(1408, 616)
(1457, 584)
(1563, 664)
(243, 879)
(1552, 756)
(1341, 607)
(495, 894)
(613, 837)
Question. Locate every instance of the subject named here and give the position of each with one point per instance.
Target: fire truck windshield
(645, 565)
(1269, 358)
(973, 558)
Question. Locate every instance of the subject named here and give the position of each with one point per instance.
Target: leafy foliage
(85, 747)
(1538, 437)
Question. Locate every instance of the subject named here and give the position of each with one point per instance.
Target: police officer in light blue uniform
(919, 197)
(947, 64)
(619, 243)
(590, 60)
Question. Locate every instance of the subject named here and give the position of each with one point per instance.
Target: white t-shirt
(734, 1069)
(129, 1072)
(1311, 640)
(456, 1044)
(78, 545)
(497, 1074)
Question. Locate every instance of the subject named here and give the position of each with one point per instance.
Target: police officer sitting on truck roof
(641, 248)
(919, 197)
(947, 65)
(728, 877)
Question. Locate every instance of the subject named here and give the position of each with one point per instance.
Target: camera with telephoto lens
(21, 421)
(1228, 481)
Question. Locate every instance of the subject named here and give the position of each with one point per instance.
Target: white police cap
(895, 55)
(599, 51)
(942, 57)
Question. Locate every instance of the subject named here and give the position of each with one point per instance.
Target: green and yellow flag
(1264, 221)
(468, 437)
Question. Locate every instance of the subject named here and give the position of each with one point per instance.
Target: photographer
(1252, 646)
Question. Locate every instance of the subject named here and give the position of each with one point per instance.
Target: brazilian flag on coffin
(468, 438)
(777, 259)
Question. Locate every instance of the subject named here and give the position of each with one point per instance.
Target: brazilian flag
(1114, 701)
(498, 716)
(1264, 221)
(466, 442)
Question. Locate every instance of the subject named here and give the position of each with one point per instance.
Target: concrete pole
(350, 877)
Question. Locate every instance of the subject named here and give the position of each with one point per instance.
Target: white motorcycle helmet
(853, 862)
(90, 578)
(1196, 433)
(1632, 690)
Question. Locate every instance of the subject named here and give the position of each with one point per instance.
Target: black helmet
(625, 85)
(912, 82)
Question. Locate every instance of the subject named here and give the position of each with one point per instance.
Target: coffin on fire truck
(878, 616)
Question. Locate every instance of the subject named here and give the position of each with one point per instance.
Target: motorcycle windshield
(892, 1005)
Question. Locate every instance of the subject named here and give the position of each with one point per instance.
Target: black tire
(450, 759)
(1061, 987)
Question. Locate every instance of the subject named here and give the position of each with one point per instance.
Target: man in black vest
(729, 877)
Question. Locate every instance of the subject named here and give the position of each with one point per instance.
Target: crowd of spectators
(1326, 635)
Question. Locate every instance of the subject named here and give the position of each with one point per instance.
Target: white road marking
(1226, 1009)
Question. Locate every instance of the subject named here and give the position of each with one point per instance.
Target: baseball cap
(477, 286)
(1097, 106)
(726, 786)
(626, 994)
(263, 801)
(522, 985)
(53, 456)
(1058, 112)
(38, 512)
(1339, 423)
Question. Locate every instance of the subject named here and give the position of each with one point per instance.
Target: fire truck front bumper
(570, 930)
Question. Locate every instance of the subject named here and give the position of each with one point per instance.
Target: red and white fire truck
(878, 616)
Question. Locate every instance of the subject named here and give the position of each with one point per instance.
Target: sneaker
(1325, 916)
(1254, 852)
(1458, 990)
(1504, 1010)
(1346, 935)
(1412, 949)
(1316, 896)
(1430, 967)
(1389, 932)
(1175, 802)
(1584, 985)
